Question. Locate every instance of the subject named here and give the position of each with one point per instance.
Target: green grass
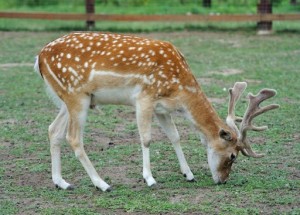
(269, 185)
(140, 27)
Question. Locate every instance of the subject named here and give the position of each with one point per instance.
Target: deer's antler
(253, 111)
(235, 94)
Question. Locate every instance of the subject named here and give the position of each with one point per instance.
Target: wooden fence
(263, 18)
(153, 18)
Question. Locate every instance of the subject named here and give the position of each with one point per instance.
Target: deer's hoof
(70, 187)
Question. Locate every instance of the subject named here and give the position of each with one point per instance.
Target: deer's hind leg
(57, 134)
(78, 108)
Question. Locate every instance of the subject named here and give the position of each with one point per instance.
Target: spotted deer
(86, 69)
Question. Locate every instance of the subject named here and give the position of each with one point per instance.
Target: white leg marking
(144, 112)
(147, 174)
(169, 128)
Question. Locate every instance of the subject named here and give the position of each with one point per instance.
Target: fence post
(293, 2)
(206, 3)
(90, 9)
(264, 7)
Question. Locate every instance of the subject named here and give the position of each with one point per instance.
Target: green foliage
(30, 3)
(133, 3)
(276, 2)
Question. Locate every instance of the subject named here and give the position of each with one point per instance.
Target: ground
(257, 186)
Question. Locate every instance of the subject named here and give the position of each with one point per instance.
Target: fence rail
(153, 18)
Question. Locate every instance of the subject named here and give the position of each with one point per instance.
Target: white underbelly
(118, 96)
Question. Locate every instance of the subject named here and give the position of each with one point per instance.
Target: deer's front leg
(167, 124)
(144, 112)
(75, 138)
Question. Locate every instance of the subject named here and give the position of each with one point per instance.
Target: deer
(84, 69)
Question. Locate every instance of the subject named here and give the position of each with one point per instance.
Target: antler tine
(235, 94)
(253, 111)
(247, 151)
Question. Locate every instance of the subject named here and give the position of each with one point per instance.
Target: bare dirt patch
(253, 81)
(217, 100)
(232, 43)
(227, 72)
(290, 100)
(8, 122)
(10, 65)
(258, 140)
(209, 81)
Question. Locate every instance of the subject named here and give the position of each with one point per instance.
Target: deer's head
(224, 151)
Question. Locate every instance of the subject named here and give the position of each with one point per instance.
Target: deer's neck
(203, 115)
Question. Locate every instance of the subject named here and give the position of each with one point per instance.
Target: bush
(276, 2)
(118, 3)
(27, 3)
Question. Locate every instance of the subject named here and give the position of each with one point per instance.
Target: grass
(140, 27)
(269, 185)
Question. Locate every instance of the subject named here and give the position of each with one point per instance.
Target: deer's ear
(226, 135)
